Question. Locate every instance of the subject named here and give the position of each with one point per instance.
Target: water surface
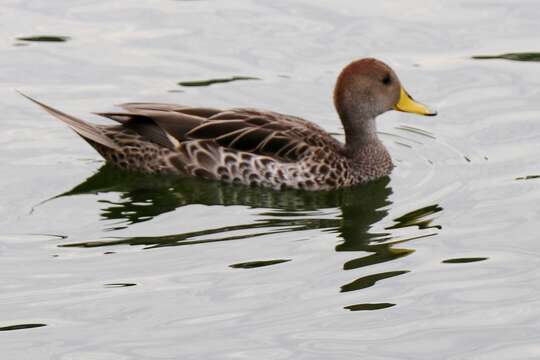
(439, 258)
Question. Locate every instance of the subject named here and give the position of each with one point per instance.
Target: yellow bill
(407, 104)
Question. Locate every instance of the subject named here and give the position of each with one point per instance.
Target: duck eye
(386, 79)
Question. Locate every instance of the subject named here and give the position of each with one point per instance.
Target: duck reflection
(142, 198)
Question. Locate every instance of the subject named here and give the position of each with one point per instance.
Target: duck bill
(407, 104)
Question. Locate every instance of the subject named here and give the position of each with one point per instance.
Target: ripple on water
(216, 81)
(528, 177)
(44, 38)
(119, 285)
(258, 263)
(21, 326)
(418, 218)
(416, 130)
(520, 56)
(369, 306)
(370, 280)
(464, 260)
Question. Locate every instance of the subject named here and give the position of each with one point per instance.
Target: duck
(256, 147)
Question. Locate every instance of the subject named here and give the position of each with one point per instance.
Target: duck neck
(360, 134)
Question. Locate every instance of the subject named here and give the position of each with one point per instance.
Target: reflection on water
(259, 263)
(417, 218)
(216, 81)
(44, 38)
(117, 285)
(144, 197)
(528, 177)
(523, 56)
(464, 260)
(370, 280)
(370, 306)
(20, 327)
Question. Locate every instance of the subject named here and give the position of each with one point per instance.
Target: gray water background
(438, 261)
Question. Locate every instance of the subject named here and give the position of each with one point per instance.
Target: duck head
(367, 88)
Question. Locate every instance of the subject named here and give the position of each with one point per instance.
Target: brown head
(367, 88)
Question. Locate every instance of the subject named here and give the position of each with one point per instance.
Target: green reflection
(21, 327)
(369, 281)
(369, 307)
(528, 177)
(216, 81)
(464, 260)
(44, 38)
(417, 218)
(523, 56)
(259, 263)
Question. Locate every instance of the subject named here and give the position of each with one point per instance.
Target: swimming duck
(257, 147)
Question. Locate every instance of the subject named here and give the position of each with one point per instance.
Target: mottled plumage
(250, 146)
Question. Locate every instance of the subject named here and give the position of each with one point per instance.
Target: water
(440, 258)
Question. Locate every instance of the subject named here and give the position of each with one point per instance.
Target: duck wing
(283, 137)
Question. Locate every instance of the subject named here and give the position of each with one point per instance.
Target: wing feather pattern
(278, 136)
(267, 133)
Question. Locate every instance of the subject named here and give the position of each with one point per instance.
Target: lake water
(439, 261)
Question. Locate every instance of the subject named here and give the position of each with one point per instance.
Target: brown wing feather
(260, 132)
(188, 110)
(173, 123)
(215, 129)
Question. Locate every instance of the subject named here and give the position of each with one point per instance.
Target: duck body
(246, 146)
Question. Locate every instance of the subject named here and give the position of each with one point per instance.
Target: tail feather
(84, 129)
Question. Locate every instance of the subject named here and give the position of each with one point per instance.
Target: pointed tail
(84, 129)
